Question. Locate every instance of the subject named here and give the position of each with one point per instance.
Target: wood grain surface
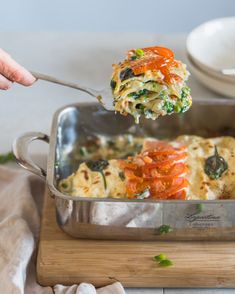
(62, 259)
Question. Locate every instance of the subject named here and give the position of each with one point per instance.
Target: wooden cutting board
(62, 259)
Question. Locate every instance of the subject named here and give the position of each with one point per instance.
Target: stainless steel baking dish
(105, 218)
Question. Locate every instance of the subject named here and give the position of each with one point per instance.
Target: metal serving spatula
(104, 97)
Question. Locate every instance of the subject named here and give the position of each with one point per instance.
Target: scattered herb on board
(7, 157)
(215, 166)
(160, 257)
(98, 166)
(164, 229)
(162, 260)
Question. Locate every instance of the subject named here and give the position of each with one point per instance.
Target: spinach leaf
(215, 166)
(185, 92)
(113, 84)
(98, 166)
(137, 95)
(127, 73)
(168, 106)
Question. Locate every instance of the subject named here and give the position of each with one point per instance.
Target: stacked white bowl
(211, 55)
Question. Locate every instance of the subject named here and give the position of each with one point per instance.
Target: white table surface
(86, 58)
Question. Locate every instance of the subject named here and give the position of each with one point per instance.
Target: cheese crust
(87, 183)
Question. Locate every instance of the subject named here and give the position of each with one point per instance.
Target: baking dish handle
(20, 151)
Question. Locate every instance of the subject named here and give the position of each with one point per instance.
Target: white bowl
(212, 46)
(215, 84)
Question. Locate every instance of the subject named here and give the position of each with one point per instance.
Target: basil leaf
(215, 166)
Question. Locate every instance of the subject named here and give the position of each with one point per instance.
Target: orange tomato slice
(167, 172)
(154, 58)
(162, 51)
(181, 195)
(171, 187)
(159, 168)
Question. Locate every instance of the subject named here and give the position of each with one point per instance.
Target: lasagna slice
(150, 83)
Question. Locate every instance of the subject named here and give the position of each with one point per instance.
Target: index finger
(13, 71)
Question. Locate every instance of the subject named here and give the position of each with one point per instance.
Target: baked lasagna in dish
(150, 82)
(186, 168)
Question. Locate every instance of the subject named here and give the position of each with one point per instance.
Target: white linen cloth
(21, 196)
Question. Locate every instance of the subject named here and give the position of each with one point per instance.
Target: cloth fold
(21, 197)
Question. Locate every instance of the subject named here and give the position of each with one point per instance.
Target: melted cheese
(86, 183)
(201, 186)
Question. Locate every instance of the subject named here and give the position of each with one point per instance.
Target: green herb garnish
(140, 106)
(4, 158)
(166, 263)
(160, 257)
(185, 102)
(168, 106)
(98, 166)
(139, 52)
(134, 57)
(137, 95)
(215, 166)
(164, 229)
(185, 92)
(177, 108)
(162, 260)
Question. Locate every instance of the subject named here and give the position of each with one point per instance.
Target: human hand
(11, 71)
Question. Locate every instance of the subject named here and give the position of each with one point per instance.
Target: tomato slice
(162, 147)
(181, 195)
(159, 168)
(130, 174)
(154, 58)
(165, 161)
(167, 172)
(171, 187)
(162, 51)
